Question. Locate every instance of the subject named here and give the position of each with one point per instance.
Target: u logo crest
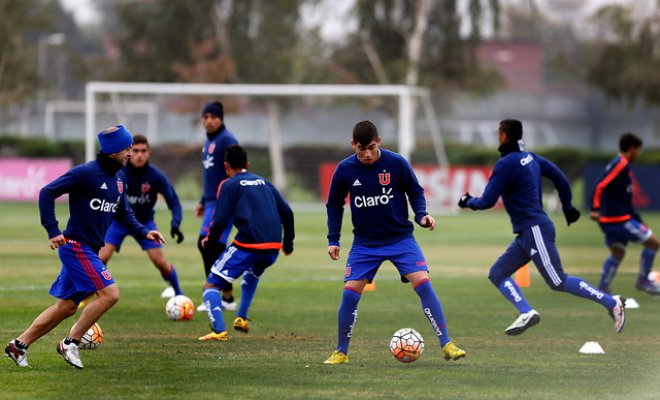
(384, 178)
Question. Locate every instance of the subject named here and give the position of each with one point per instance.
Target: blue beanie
(115, 140)
(215, 108)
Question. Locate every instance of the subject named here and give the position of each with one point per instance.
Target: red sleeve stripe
(595, 203)
(217, 193)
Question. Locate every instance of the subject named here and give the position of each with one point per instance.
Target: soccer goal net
(294, 133)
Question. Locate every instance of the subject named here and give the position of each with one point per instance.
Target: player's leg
(228, 301)
(611, 265)
(167, 270)
(646, 259)
(106, 252)
(107, 297)
(541, 238)
(249, 285)
(432, 308)
(361, 266)
(44, 323)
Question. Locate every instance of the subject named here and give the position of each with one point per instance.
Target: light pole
(46, 40)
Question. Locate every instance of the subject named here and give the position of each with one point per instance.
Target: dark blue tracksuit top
(144, 184)
(97, 195)
(517, 177)
(379, 196)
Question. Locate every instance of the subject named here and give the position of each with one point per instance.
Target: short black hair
(236, 157)
(365, 132)
(513, 128)
(629, 140)
(140, 139)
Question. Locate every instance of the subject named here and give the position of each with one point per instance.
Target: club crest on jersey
(384, 178)
(145, 187)
(120, 186)
(211, 148)
(106, 275)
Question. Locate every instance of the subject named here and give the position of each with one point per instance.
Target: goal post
(406, 97)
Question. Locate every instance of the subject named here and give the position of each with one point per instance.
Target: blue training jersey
(612, 197)
(213, 157)
(258, 212)
(97, 195)
(517, 177)
(379, 196)
(144, 184)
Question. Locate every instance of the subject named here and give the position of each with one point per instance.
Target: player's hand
(175, 232)
(595, 215)
(333, 252)
(199, 210)
(204, 242)
(462, 203)
(57, 241)
(155, 236)
(428, 222)
(572, 214)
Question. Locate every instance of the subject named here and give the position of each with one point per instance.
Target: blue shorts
(209, 207)
(82, 273)
(234, 262)
(117, 232)
(630, 231)
(363, 261)
(536, 243)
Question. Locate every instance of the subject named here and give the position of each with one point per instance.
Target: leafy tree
(625, 59)
(19, 20)
(383, 49)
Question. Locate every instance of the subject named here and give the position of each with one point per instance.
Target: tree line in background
(416, 42)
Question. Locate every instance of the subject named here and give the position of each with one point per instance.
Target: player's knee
(496, 278)
(67, 308)
(618, 253)
(652, 243)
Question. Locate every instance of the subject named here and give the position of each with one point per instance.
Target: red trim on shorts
(421, 282)
(87, 265)
(353, 290)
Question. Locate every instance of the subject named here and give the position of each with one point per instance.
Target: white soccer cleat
(618, 313)
(201, 307)
(523, 322)
(168, 293)
(229, 306)
(70, 353)
(19, 356)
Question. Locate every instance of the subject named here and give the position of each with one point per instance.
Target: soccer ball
(179, 308)
(92, 338)
(407, 345)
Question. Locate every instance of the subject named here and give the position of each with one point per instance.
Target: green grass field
(293, 327)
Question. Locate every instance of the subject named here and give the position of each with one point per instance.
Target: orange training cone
(522, 276)
(370, 287)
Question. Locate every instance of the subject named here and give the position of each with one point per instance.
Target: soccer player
(218, 138)
(96, 196)
(517, 177)
(611, 205)
(260, 214)
(144, 183)
(380, 184)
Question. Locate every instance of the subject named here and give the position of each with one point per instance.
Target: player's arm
(415, 193)
(173, 203)
(494, 188)
(552, 172)
(126, 217)
(286, 216)
(335, 212)
(224, 208)
(66, 183)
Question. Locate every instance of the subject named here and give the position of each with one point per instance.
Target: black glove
(572, 214)
(175, 232)
(462, 203)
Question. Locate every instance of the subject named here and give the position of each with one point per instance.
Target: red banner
(22, 178)
(442, 186)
